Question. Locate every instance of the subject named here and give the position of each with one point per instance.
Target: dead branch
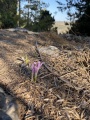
(55, 74)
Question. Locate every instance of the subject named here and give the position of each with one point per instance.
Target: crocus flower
(35, 68)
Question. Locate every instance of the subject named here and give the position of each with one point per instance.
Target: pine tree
(46, 21)
(80, 18)
(8, 11)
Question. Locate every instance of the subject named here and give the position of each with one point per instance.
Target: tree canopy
(7, 13)
(80, 17)
(31, 14)
(45, 21)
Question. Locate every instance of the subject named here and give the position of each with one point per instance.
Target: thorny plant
(35, 69)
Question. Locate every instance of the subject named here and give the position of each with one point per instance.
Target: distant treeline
(31, 14)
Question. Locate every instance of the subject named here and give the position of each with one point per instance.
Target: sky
(53, 8)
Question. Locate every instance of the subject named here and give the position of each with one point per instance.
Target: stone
(17, 29)
(8, 107)
(2, 100)
(50, 50)
(4, 116)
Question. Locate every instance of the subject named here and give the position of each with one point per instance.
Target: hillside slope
(62, 89)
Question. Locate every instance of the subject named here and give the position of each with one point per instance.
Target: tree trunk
(18, 12)
(28, 19)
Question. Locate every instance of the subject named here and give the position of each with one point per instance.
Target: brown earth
(62, 92)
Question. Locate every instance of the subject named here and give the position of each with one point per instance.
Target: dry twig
(55, 74)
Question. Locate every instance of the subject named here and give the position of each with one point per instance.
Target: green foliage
(31, 11)
(46, 21)
(7, 13)
(81, 26)
(80, 18)
(54, 29)
(7, 22)
(31, 16)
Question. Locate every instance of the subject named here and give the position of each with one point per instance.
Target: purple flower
(35, 68)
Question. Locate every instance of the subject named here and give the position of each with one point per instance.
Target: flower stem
(32, 76)
(35, 77)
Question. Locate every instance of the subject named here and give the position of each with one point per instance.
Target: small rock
(50, 50)
(4, 116)
(8, 107)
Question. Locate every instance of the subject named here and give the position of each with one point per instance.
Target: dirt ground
(62, 90)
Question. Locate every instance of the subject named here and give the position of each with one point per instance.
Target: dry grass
(62, 28)
(61, 93)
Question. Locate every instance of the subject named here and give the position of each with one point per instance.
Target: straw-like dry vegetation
(61, 27)
(62, 90)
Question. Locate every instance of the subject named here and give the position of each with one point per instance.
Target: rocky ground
(62, 90)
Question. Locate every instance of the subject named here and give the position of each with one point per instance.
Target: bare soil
(61, 92)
